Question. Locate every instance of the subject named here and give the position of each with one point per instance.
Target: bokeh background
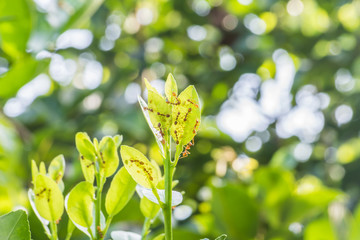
(277, 153)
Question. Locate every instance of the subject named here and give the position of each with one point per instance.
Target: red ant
(197, 106)
(178, 100)
(185, 153)
(196, 124)
(161, 133)
(189, 110)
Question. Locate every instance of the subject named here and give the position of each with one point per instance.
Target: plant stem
(98, 206)
(168, 169)
(145, 229)
(108, 221)
(53, 228)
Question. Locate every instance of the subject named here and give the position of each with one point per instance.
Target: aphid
(197, 106)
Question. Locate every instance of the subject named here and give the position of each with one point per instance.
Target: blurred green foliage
(208, 43)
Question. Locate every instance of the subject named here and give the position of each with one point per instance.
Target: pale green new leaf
(14, 226)
(118, 140)
(85, 146)
(160, 237)
(34, 170)
(57, 168)
(186, 116)
(139, 167)
(80, 204)
(42, 168)
(109, 158)
(148, 208)
(121, 190)
(158, 137)
(49, 200)
(159, 112)
(171, 90)
(149, 86)
(88, 169)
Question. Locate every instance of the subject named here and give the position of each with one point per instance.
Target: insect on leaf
(171, 90)
(121, 190)
(109, 158)
(155, 131)
(88, 169)
(80, 204)
(85, 146)
(57, 168)
(159, 112)
(139, 167)
(49, 200)
(186, 116)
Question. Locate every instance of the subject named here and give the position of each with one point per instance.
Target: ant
(197, 106)
(186, 152)
(196, 124)
(178, 100)
(189, 110)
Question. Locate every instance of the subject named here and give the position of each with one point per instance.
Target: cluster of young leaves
(99, 160)
(174, 115)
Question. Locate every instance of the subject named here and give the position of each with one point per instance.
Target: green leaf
(109, 158)
(139, 167)
(44, 222)
(49, 200)
(148, 208)
(88, 169)
(149, 86)
(171, 90)
(23, 70)
(320, 229)
(238, 222)
(80, 204)
(14, 226)
(42, 168)
(161, 236)
(121, 190)
(82, 15)
(85, 146)
(118, 140)
(34, 170)
(186, 116)
(221, 237)
(57, 168)
(159, 112)
(158, 137)
(15, 32)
